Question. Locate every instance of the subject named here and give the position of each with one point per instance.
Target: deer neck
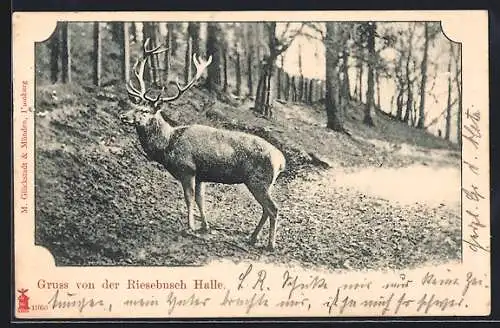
(154, 136)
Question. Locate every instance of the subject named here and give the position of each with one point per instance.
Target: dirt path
(430, 186)
(366, 219)
(373, 218)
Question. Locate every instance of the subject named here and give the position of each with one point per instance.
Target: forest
(411, 67)
(367, 115)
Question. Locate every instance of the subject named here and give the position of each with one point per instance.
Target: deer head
(144, 105)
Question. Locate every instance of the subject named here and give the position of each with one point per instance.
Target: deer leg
(200, 201)
(258, 228)
(188, 184)
(269, 208)
(273, 219)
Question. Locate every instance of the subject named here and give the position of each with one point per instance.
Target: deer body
(195, 154)
(213, 155)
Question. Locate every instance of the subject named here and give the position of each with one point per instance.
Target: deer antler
(139, 73)
(200, 65)
(142, 92)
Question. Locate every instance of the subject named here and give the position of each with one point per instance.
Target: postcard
(250, 164)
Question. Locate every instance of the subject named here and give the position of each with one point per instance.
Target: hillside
(100, 201)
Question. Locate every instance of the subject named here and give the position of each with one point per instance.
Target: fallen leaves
(100, 202)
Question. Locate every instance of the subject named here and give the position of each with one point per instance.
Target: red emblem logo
(23, 301)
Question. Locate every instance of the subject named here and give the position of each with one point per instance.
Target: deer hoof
(252, 241)
(186, 232)
(205, 230)
(270, 248)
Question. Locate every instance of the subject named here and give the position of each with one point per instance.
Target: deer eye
(134, 100)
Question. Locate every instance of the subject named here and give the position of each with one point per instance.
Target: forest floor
(390, 198)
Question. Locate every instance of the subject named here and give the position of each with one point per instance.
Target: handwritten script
(256, 291)
(474, 232)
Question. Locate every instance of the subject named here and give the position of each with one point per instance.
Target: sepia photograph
(211, 165)
(324, 144)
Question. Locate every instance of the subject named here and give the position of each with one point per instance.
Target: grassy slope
(100, 201)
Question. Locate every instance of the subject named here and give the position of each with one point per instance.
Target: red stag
(194, 154)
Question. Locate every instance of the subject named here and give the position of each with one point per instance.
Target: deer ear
(157, 106)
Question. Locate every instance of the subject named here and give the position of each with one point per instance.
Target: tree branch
(310, 36)
(284, 46)
(285, 31)
(435, 120)
(316, 29)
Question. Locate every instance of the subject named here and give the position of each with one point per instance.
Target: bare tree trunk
(278, 83)
(249, 54)
(55, 53)
(154, 62)
(299, 89)
(313, 90)
(238, 72)
(156, 58)
(423, 72)
(346, 88)
(263, 97)
(258, 55)
(171, 28)
(267, 100)
(116, 31)
(66, 53)
(260, 97)
(133, 32)
(414, 113)
(311, 86)
(368, 117)
(305, 83)
(278, 87)
(294, 89)
(287, 86)
(400, 88)
(447, 129)
(340, 102)
(356, 85)
(360, 82)
(399, 104)
(319, 87)
(148, 70)
(377, 82)
(193, 37)
(409, 101)
(322, 90)
(249, 73)
(168, 54)
(97, 55)
(224, 66)
(334, 118)
(305, 89)
(126, 52)
(391, 106)
(213, 49)
(258, 92)
(301, 76)
(187, 58)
